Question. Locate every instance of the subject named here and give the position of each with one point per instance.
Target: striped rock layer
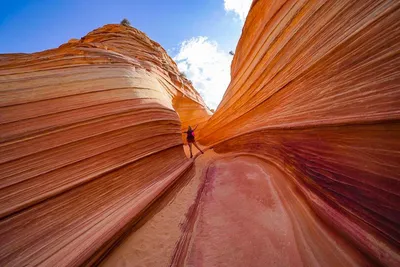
(90, 136)
(303, 165)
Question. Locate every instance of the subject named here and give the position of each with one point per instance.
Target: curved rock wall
(79, 127)
(315, 90)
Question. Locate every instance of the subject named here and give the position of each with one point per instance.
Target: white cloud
(240, 7)
(206, 66)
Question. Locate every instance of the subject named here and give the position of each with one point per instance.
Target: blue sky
(185, 28)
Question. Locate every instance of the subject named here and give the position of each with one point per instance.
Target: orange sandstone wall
(79, 127)
(90, 138)
(316, 90)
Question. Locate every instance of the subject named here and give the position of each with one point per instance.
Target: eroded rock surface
(304, 165)
(315, 90)
(90, 135)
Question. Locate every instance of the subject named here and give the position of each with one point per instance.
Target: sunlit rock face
(90, 135)
(315, 91)
(304, 165)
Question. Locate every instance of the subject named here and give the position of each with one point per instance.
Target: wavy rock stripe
(304, 64)
(79, 127)
(315, 90)
(328, 165)
(53, 233)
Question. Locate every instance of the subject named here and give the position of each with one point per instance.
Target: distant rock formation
(305, 167)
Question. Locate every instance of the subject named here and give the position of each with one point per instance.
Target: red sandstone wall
(316, 90)
(80, 126)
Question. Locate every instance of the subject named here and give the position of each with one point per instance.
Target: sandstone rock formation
(90, 135)
(315, 90)
(305, 163)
